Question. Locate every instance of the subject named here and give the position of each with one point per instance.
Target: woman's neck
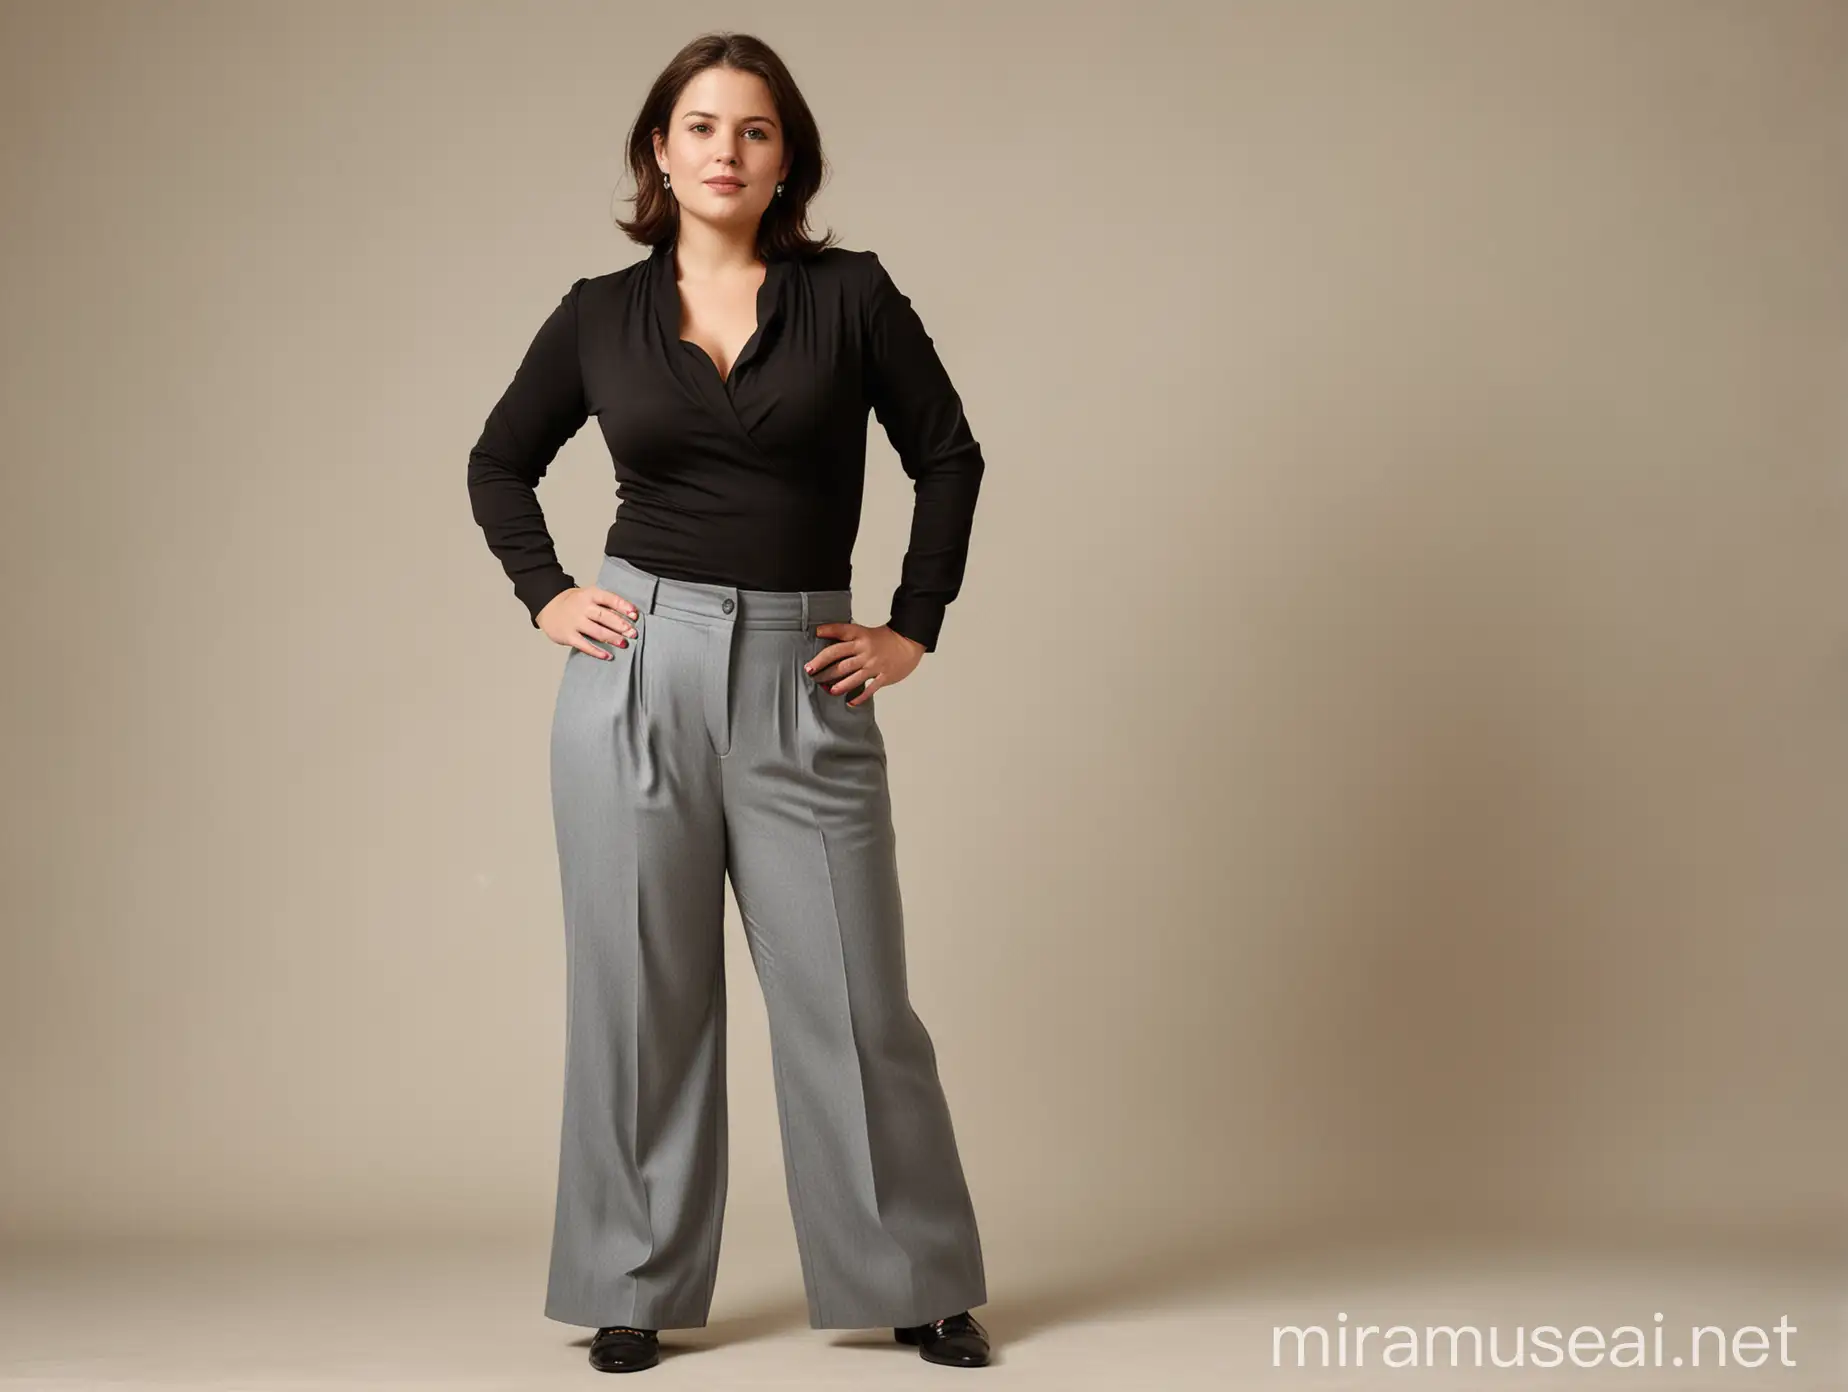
(706, 253)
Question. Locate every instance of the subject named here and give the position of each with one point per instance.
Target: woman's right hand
(571, 618)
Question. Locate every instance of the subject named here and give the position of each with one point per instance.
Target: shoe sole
(626, 1367)
(905, 1336)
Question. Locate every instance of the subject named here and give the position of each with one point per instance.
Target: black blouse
(753, 480)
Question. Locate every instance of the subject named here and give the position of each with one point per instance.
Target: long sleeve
(916, 403)
(541, 409)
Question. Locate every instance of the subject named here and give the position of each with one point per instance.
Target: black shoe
(622, 1348)
(956, 1340)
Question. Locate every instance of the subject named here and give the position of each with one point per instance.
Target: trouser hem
(639, 1321)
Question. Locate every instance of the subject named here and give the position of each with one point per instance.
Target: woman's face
(724, 126)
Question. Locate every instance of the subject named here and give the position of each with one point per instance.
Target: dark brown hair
(783, 229)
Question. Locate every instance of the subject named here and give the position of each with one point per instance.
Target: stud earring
(779, 190)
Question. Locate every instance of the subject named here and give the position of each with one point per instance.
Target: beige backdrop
(1385, 772)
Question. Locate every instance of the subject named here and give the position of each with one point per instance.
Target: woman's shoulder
(856, 270)
(837, 257)
(603, 293)
(633, 273)
(834, 261)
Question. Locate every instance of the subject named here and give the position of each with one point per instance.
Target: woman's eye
(749, 130)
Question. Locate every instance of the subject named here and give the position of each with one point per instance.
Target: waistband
(729, 604)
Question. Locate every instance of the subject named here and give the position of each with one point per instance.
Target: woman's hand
(870, 658)
(571, 618)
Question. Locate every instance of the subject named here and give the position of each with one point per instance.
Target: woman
(716, 716)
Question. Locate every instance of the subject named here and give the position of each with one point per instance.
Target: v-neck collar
(666, 296)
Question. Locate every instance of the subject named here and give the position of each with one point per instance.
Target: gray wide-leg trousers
(703, 749)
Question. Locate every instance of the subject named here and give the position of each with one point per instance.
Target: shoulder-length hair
(783, 229)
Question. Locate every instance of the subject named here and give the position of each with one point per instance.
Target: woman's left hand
(871, 658)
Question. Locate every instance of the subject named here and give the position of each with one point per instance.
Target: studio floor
(274, 1317)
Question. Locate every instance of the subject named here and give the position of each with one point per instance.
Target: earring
(779, 190)
(664, 182)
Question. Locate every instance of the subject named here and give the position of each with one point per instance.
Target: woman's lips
(724, 185)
